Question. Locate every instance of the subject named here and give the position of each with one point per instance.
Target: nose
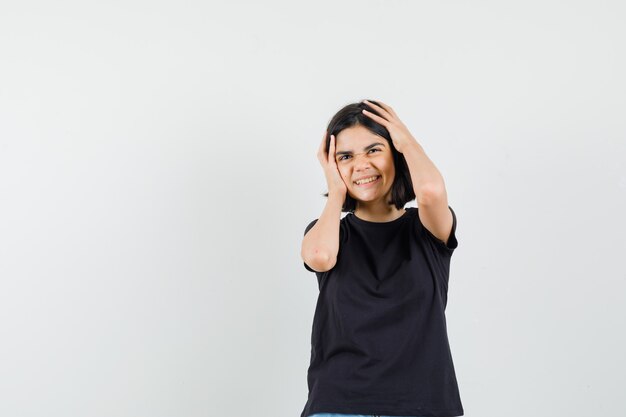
(360, 163)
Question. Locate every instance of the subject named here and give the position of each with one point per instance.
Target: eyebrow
(368, 147)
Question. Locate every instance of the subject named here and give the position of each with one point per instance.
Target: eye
(342, 157)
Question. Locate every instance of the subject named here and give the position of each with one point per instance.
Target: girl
(379, 343)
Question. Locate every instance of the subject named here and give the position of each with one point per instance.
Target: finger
(333, 157)
(382, 110)
(384, 106)
(389, 109)
(331, 149)
(377, 118)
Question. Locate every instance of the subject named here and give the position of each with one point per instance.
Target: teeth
(367, 180)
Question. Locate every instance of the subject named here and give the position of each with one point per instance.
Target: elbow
(429, 193)
(318, 260)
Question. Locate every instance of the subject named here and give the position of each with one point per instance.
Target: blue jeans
(349, 415)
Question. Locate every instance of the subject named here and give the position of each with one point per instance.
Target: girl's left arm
(428, 184)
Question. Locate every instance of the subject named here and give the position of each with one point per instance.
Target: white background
(158, 168)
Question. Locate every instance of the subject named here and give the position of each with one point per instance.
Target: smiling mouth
(378, 177)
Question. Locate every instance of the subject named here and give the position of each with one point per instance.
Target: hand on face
(331, 172)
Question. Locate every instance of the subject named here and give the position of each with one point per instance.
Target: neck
(377, 212)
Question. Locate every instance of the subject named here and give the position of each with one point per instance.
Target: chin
(366, 200)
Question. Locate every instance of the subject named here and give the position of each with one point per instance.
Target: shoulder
(310, 225)
(343, 226)
(446, 246)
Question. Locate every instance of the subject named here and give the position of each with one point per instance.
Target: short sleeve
(440, 245)
(305, 231)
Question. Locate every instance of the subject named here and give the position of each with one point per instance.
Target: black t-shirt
(379, 342)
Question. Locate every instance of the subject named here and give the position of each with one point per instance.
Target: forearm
(322, 240)
(426, 178)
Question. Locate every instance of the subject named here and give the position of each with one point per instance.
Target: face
(359, 154)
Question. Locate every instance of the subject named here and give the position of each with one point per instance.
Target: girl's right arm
(320, 244)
